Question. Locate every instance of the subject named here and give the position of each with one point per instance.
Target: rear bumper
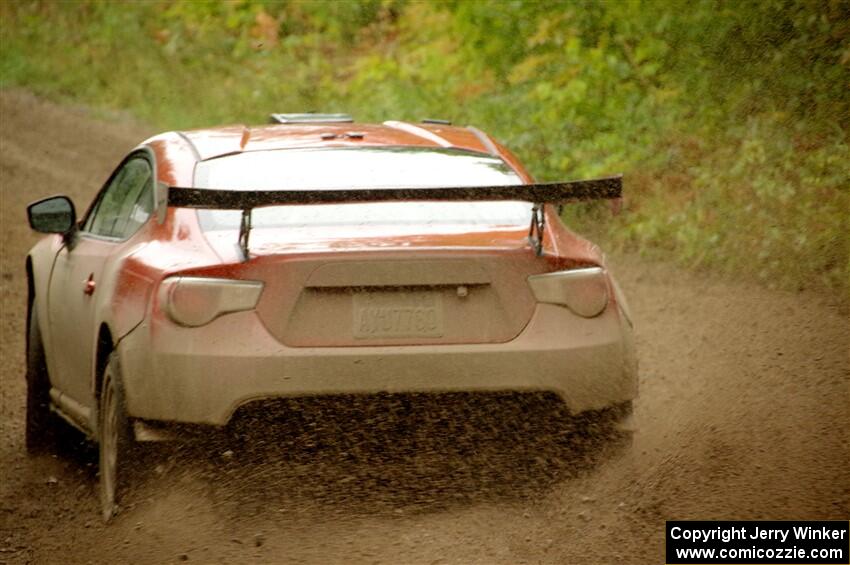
(203, 375)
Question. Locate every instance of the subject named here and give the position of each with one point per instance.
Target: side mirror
(52, 215)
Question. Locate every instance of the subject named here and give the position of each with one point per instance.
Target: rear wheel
(116, 443)
(41, 422)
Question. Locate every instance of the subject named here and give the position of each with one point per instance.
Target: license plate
(398, 314)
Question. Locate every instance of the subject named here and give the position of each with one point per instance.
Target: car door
(121, 208)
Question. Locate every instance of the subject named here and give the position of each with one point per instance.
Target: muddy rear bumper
(203, 375)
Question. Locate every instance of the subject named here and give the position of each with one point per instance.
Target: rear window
(317, 169)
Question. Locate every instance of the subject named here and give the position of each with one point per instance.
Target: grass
(729, 121)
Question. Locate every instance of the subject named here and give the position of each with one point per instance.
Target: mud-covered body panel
(204, 377)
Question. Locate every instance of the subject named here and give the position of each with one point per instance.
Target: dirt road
(744, 413)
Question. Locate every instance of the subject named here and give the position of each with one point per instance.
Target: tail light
(584, 291)
(196, 301)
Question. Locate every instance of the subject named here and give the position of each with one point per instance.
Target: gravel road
(744, 413)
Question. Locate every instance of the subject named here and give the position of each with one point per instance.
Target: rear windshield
(361, 168)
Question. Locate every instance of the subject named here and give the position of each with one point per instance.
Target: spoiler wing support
(538, 194)
(538, 225)
(245, 232)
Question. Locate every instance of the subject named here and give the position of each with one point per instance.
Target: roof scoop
(327, 136)
(310, 118)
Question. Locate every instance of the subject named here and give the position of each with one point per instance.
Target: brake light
(584, 291)
(196, 301)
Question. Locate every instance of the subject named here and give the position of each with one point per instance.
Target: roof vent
(310, 118)
(437, 122)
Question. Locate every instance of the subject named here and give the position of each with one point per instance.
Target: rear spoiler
(538, 194)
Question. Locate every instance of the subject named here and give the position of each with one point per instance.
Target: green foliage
(729, 119)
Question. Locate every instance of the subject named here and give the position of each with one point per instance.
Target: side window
(126, 203)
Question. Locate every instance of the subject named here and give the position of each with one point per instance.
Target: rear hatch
(396, 299)
(383, 273)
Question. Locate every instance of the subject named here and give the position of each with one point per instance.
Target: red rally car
(221, 267)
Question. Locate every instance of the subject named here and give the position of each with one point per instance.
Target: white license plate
(398, 314)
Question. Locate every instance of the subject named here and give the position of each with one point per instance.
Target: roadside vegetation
(729, 119)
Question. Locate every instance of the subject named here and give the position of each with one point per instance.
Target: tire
(116, 445)
(41, 423)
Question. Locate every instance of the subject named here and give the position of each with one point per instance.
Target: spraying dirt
(744, 413)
